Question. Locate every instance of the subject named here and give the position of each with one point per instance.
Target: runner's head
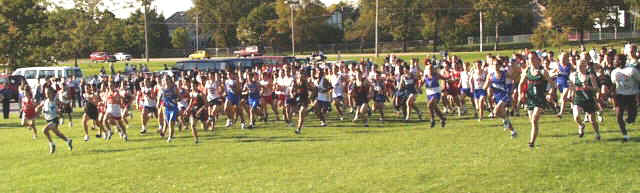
(620, 61)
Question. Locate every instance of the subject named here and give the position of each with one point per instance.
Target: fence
(394, 46)
(307, 49)
(588, 36)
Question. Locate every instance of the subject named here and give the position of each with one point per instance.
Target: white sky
(122, 8)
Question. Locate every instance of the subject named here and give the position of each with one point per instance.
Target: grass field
(466, 156)
(394, 156)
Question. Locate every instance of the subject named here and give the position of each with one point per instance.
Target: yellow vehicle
(199, 55)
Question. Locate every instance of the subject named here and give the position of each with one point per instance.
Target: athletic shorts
(254, 102)
(379, 98)
(436, 96)
(151, 109)
(466, 92)
(338, 98)
(216, 101)
(267, 99)
(453, 91)
(91, 111)
(323, 105)
(66, 108)
(55, 121)
(202, 116)
(625, 101)
(562, 85)
(500, 96)
(233, 99)
(477, 93)
(170, 114)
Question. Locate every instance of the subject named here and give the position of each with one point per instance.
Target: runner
(625, 85)
(536, 80)
(434, 93)
(584, 86)
(49, 107)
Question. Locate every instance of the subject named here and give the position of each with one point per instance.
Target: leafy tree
(499, 12)
(252, 28)
(179, 38)
(577, 14)
(134, 32)
(403, 22)
(363, 28)
(23, 33)
(221, 17)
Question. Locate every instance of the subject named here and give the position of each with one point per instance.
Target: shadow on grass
(12, 125)
(282, 139)
(131, 149)
(370, 131)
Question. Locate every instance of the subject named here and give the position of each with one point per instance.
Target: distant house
(182, 20)
(335, 19)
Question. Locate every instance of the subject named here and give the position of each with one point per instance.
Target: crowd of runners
(588, 82)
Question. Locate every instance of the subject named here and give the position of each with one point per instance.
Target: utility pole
(293, 36)
(377, 54)
(292, 4)
(146, 33)
(481, 36)
(197, 38)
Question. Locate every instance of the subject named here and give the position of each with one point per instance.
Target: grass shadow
(282, 139)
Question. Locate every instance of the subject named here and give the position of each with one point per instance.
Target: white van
(32, 74)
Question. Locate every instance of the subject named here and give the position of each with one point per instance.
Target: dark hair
(622, 59)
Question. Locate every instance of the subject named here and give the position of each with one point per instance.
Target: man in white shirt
(625, 83)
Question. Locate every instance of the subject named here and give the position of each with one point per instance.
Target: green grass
(466, 156)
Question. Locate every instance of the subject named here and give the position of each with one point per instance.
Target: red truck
(101, 57)
(248, 51)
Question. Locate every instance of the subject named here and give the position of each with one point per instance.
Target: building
(182, 20)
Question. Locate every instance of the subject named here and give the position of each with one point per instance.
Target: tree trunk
(495, 44)
(435, 32)
(404, 45)
(362, 45)
(581, 30)
(75, 59)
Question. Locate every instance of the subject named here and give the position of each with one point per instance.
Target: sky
(166, 7)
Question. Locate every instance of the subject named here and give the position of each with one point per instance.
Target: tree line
(37, 32)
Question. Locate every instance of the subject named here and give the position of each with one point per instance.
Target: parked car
(9, 92)
(101, 57)
(33, 74)
(199, 55)
(121, 56)
(248, 51)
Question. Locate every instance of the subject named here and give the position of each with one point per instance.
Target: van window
(46, 73)
(78, 73)
(30, 74)
(59, 73)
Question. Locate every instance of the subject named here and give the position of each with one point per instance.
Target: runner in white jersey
(64, 97)
(148, 96)
(337, 93)
(478, 79)
(465, 86)
(323, 98)
(49, 107)
(266, 83)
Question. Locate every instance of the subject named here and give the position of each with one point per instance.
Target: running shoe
(514, 134)
(323, 124)
(125, 138)
(433, 123)
(69, 143)
(443, 122)
(229, 123)
(52, 148)
(581, 131)
(86, 138)
(143, 131)
(597, 137)
(242, 125)
(169, 140)
(531, 145)
(298, 131)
